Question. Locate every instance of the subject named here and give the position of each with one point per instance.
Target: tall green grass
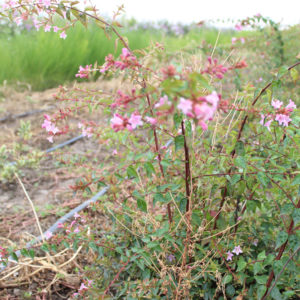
(43, 60)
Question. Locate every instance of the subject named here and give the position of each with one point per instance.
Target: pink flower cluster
(119, 122)
(214, 68)
(83, 288)
(50, 127)
(128, 60)
(86, 131)
(84, 72)
(238, 27)
(123, 99)
(74, 226)
(164, 106)
(203, 109)
(3, 253)
(282, 114)
(237, 250)
(234, 40)
(9, 4)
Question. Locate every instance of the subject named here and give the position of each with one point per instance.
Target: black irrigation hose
(71, 141)
(55, 227)
(71, 213)
(66, 143)
(23, 115)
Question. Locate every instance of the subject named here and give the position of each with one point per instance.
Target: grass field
(43, 60)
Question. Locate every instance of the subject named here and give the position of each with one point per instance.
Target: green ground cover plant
(204, 194)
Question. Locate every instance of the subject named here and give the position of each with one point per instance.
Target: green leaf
(240, 148)
(275, 294)
(294, 74)
(24, 252)
(282, 71)
(241, 162)
(261, 291)
(45, 247)
(281, 238)
(177, 119)
(235, 178)
(296, 180)
(263, 179)
(257, 267)
(152, 244)
(179, 142)
(131, 172)
(158, 197)
(149, 169)
(14, 256)
(188, 127)
(161, 231)
(227, 279)
(296, 216)
(31, 253)
(287, 209)
(262, 255)
(241, 264)
(261, 279)
(142, 205)
(230, 290)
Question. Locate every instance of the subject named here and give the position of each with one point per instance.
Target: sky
(188, 11)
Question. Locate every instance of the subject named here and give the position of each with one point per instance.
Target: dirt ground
(48, 185)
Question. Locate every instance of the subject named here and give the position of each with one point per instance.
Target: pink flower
(47, 3)
(47, 124)
(48, 235)
(283, 119)
(50, 139)
(276, 104)
(237, 250)
(261, 122)
(125, 53)
(55, 28)
(238, 27)
(233, 40)
(214, 68)
(90, 282)
(242, 40)
(76, 230)
(163, 101)
(117, 122)
(185, 106)
(203, 125)
(135, 120)
(115, 152)
(83, 287)
(37, 24)
(47, 28)
(87, 132)
(150, 120)
(84, 72)
(268, 123)
(76, 216)
(60, 225)
(229, 256)
(63, 35)
(291, 106)
(204, 111)
(213, 99)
